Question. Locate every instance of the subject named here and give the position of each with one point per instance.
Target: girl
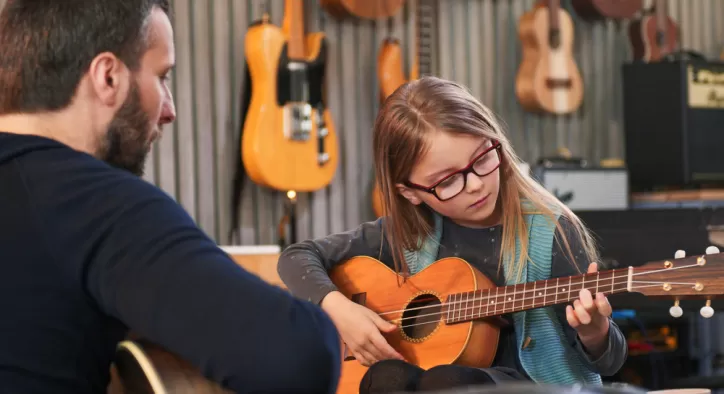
(452, 187)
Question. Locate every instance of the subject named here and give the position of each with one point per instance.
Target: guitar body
(144, 368)
(592, 10)
(390, 60)
(366, 9)
(284, 131)
(371, 283)
(644, 41)
(548, 79)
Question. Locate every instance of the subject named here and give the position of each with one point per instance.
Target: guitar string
(612, 277)
(496, 313)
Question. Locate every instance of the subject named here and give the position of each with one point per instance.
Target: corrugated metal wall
(478, 46)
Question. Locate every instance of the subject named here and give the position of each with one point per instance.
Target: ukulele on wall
(653, 37)
(289, 141)
(446, 313)
(548, 78)
(391, 74)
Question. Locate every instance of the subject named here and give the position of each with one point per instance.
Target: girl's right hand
(360, 328)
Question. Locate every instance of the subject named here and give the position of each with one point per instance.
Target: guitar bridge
(298, 121)
(558, 83)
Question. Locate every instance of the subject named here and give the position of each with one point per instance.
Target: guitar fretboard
(425, 23)
(477, 304)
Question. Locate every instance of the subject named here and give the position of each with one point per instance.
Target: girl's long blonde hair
(431, 104)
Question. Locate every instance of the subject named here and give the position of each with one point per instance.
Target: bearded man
(89, 250)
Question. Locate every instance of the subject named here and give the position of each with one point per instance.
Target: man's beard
(125, 145)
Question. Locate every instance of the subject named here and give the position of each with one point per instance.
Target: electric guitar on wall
(447, 313)
(391, 75)
(548, 78)
(653, 37)
(289, 141)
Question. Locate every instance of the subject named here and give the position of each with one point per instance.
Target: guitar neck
(461, 307)
(554, 37)
(425, 20)
(294, 25)
(553, 7)
(661, 13)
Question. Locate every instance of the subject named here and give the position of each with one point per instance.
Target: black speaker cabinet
(674, 123)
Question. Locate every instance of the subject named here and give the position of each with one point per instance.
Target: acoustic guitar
(593, 10)
(653, 37)
(447, 313)
(365, 9)
(548, 78)
(289, 140)
(390, 70)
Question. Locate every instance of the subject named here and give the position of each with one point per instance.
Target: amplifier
(586, 189)
(674, 123)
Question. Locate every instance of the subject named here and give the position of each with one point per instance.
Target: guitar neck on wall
(652, 37)
(390, 70)
(289, 141)
(548, 78)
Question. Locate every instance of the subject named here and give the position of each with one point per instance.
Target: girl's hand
(589, 317)
(360, 328)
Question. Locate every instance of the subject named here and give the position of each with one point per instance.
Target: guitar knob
(707, 311)
(676, 311)
(680, 254)
(712, 250)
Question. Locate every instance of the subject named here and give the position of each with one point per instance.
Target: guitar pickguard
(300, 87)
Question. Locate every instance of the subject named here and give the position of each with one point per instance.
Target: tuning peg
(712, 250)
(680, 254)
(707, 311)
(676, 311)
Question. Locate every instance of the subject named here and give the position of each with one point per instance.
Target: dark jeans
(390, 376)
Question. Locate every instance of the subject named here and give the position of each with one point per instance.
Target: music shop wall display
(674, 123)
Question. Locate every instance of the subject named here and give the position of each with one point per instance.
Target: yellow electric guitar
(289, 141)
(390, 60)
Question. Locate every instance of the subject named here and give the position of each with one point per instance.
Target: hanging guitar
(444, 312)
(594, 10)
(289, 140)
(391, 74)
(548, 78)
(365, 9)
(655, 35)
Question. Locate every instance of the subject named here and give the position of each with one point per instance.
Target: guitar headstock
(695, 277)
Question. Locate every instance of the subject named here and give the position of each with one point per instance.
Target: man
(89, 250)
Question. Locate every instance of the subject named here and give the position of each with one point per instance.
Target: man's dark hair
(47, 45)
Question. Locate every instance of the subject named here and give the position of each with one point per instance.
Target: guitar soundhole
(421, 316)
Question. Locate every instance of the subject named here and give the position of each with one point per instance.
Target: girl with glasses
(452, 187)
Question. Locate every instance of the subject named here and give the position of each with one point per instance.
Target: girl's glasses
(450, 186)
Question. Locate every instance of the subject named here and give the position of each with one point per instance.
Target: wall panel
(477, 45)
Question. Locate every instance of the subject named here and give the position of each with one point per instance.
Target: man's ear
(409, 194)
(109, 79)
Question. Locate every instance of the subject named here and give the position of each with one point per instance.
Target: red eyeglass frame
(465, 171)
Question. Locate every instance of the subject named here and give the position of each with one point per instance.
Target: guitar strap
(240, 171)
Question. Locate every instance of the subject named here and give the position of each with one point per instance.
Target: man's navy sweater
(88, 251)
